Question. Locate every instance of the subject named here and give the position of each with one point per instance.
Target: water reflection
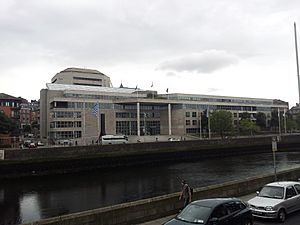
(30, 208)
(30, 199)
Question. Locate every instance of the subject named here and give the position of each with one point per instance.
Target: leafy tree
(297, 120)
(261, 120)
(291, 123)
(248, 126)
(27, 129)
(204, 120)
(274, 119)
(7, 125)
(221, 122)
(245, 115)
(35, 124)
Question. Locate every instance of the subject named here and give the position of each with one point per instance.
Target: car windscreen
(272, 192)
(195, 214)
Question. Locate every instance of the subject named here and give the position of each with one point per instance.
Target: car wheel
(281, 216)
(248, 222)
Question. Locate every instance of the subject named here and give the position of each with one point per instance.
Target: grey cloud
(171, 74)
(203, 62)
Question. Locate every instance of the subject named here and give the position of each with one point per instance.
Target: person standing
(186, 194)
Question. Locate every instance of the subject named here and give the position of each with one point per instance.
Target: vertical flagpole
(200, 125)
(98, 121)
(209, 134)
(297, 62)
(279, 127)
(84, 108)
(152, 90)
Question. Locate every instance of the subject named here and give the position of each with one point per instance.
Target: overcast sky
(224, 47)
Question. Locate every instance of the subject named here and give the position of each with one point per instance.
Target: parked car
(27, 143)
(39, 143)
(32, 145)
(217, 211)
(276, 200)
(173, 139)
(65, 142)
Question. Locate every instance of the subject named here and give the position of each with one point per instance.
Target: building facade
(10, 106)
(84, 112)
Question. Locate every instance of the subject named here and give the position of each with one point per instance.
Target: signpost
(274, 149)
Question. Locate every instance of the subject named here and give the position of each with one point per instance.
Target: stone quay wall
(44, 161)
(157, 207)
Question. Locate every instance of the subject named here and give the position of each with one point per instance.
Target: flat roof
(71, 87)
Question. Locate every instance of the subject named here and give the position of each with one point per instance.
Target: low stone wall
(143, 148)
(45, 161)
(157, 207)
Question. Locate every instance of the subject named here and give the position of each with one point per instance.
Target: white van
(113, 139)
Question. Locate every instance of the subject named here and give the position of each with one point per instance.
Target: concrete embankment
(157, 207)
(43, 161)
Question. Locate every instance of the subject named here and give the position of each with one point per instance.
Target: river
(26, 200)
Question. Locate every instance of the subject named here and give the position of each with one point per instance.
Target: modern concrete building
(82, 112)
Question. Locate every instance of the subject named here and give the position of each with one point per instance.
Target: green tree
(261, 120)
(274, 119)
(297, 120)
(221, 122)
(35, 125)
(7, 125)
(245, 115)
(204, 121)
(27, 129)
(248, 126)
(291, 124)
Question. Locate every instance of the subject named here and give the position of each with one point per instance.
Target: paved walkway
(165, 219)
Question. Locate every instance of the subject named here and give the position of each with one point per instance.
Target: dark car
(217, 211)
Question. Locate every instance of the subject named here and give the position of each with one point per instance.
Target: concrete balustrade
(157, 207)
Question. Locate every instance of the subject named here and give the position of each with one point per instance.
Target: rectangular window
(187, 122)
(86, 78)
(194, 114)
(194, 122)
(187, 114)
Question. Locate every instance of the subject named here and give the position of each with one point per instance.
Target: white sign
(274, 146)
(1, 154)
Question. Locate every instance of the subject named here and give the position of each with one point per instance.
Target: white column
(138, 118)
(169, 119)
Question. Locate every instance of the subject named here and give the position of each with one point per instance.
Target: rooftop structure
(77, 76)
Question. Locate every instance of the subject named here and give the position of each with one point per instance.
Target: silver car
(276, 200)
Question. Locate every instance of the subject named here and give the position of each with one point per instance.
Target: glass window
(194, 114)
(194, 122)
(272, 192)
(187, 114)
(290, 192)
(297, 186)
(187, 122)
(234, 206)
(195, 214)
(220, 212)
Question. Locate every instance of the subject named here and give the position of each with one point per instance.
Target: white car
(39, 143)
(276, 200)
(173, 139)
